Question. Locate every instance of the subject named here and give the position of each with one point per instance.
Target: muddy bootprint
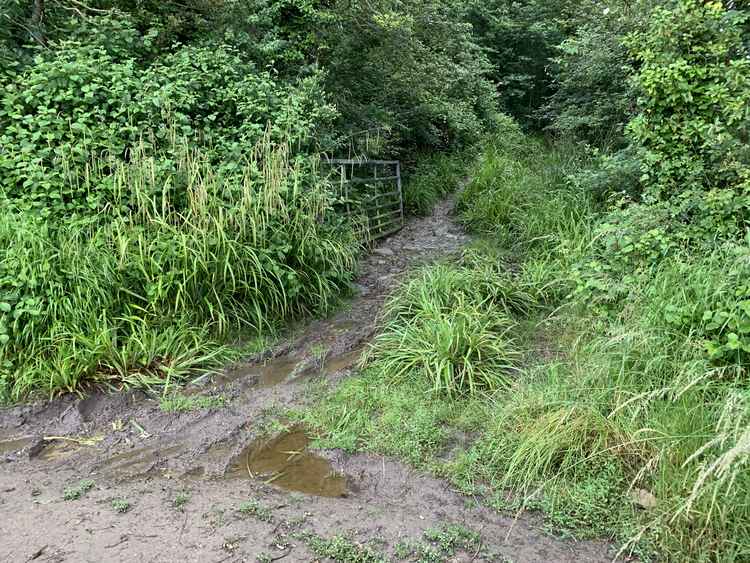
(212, 461)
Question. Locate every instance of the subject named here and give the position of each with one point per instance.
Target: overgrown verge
(434, 176)
(627, 415)
(183, 257)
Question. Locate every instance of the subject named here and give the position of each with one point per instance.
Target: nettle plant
(691, 137)
(694, 124)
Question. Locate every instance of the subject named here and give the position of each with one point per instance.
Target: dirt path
(193, 481)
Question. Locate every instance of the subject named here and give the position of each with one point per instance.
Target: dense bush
(690, 138)
(407, 75)
(71, 107)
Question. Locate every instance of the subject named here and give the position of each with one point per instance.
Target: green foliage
(341, 548)
(78, 112)
(433, 178)
(651, 391)
(137, 299)
(691, 142)
(593, 96)
(442, 328)
(76, 492)
(521, 39)
(121, 505)
(407, 75)
(695, 82)
(180, 500)
(404, 420)
(256, 510)
(519, 193)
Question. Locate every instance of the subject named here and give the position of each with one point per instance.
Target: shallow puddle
(285, 462)
(273, 372)
(339, 363)
(331, 366)
(14, 444)
(137, 461)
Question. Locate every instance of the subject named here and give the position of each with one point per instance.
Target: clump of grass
(441, 544)
(467, 350)
(121, 505)
(79, 490)
(450, 326)
(183, 403)
(520, 196)
(180, 500)
(256, 510)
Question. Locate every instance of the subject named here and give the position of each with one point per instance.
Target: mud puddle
(290, 370)
(330, 366)
(284, 462)
(272, 373)
(14, 444)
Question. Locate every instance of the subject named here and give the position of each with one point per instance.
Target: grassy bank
(145, 293)
(524, 367)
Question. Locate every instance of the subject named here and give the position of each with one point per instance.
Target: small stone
(383, 252)
(643, 498)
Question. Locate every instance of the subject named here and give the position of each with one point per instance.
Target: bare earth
(186, 475)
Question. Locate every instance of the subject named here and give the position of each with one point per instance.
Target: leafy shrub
(695, 90)
(593, 96)
(417, 81)
(690, 140)
(79, 106)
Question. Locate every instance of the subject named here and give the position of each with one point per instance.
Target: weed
(452, 537)
(78, 491)
(319, 351)
(340, 548)
(256, 510)
(180, 500)
(121, 505)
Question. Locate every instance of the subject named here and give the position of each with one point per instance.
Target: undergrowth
(611, 399)
(145, 294)
(435, 176)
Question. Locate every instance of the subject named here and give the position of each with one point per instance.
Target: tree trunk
(37, 22)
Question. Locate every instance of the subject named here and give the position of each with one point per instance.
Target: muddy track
(209, 463)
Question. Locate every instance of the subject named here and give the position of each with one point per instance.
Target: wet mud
(184, 474)
(285, 462)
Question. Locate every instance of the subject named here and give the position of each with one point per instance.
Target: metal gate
(370, 190)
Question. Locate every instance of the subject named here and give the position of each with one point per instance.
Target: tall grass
(634, 402)
(624, 426)
(142, 293)
(433, 177)
(451, 326)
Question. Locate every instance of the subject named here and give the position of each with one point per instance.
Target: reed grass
(145, 291)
